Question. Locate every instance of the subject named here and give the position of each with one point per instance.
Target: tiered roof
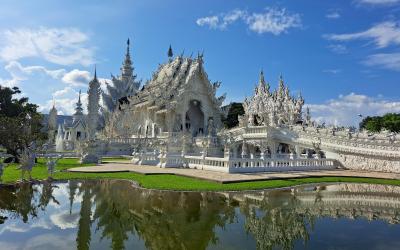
(169, 81)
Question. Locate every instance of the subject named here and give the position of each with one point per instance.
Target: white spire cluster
(273, 108)
(122, 86)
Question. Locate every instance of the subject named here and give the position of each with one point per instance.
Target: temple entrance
(194, 121)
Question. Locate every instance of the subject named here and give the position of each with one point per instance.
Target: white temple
(70, 133)
(174, 120)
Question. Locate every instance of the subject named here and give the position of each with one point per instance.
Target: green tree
(20, 122)
(232, 119)
(389, 121)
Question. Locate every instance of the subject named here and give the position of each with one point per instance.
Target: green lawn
(173, 182)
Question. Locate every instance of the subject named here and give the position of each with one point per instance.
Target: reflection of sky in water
(120, 215)
(46, 230)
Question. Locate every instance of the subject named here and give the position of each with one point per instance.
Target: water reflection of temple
(340, 200)
(190, 220)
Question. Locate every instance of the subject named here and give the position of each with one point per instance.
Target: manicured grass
(173, 182)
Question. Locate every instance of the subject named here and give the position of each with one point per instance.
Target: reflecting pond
(111, 214)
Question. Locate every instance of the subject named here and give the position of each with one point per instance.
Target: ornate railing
(344, 141)
(257, 164)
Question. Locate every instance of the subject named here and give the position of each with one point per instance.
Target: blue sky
(343, 56)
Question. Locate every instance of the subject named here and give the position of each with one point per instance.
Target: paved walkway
(226, 177)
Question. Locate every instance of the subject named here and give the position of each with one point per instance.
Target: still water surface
(111, 214)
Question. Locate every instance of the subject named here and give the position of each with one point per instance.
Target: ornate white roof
(169, 82)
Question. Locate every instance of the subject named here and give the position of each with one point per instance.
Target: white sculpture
(27, 160)
(88, 151)
(51, 164)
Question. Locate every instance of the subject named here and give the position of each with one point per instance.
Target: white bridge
(353, 150)
(268, 149)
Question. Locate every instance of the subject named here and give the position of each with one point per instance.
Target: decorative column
(298, 151)
(244, 149)
(227, 151)
(292, 155)
(263, 148)
(184, 149)
(273, 150)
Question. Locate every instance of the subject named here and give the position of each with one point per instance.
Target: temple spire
(95, 72)
(79, 98)
(262, 80)
(127, 46)
(78, 110)
(170, 53)
(281, 84)
(126, 69)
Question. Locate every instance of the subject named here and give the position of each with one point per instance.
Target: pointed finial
(281, 82)
(262, 77)
(79, 97)
(170, 53)
(127, 47)
(95, 72)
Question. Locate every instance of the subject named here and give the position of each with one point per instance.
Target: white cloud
(77, 77)
(332, 71)
(64, 46)
(211, 21)
(379, 2)
(334, 14)
(49, 241)
(65, 220)
(65, 100)
(344, 109)
(384, 60)
(62, 92)
(272, 20)
(18, 72)
(8, 82)
(222, 20)
(382, 34)
(233, 16)
(64, 96)
(338, 48)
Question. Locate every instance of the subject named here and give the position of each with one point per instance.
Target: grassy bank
(173, 182)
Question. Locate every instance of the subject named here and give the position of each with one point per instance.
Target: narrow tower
(127, 69)
(78, 115)
(52, 123)
(93, 107)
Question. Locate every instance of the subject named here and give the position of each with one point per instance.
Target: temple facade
(175, 120)
(178, 98)
(69, 134)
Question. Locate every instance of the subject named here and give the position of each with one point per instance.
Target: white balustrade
(257, 164)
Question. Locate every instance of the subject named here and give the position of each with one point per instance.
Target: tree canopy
(231, 120)
(389, 121)
(20, 122)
